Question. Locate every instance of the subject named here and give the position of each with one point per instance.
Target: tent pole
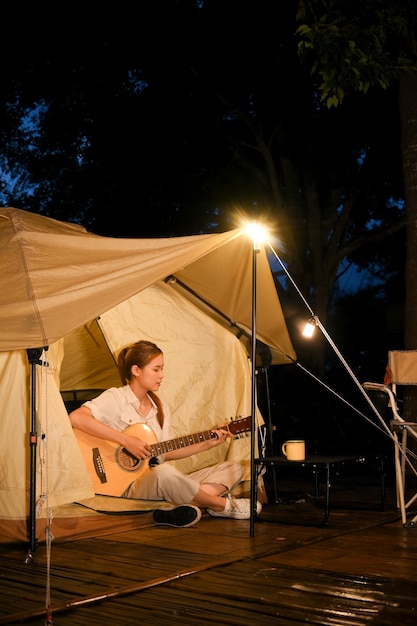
(253, 468)
(34, 359)
(270, 432)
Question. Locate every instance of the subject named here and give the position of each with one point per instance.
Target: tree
(170, 130)
(359, 48)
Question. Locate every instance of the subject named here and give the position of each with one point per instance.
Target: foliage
(353, 48)
(179, 118)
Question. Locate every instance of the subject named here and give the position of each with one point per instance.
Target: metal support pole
(254, 471)
(34, 355)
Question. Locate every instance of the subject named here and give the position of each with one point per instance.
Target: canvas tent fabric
(57, 275)
(403, 367)
(207, 373)
(82, 297)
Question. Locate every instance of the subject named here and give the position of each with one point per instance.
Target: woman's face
(150, 376)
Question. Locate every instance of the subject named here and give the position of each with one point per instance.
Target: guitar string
(111, 459)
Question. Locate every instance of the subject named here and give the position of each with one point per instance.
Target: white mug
(294, 449)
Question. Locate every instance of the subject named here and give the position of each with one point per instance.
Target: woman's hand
(139, 448)
(221, 436)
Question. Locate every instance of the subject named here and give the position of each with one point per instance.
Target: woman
(141, 369)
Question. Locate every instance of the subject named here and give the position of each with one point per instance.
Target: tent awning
(57, 276)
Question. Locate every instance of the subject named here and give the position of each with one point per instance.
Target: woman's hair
(140, 353)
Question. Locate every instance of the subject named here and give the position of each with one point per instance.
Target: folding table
(320, 465)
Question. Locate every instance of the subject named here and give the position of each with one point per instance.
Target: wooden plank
(361, 569)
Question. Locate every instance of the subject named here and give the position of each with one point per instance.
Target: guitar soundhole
(127, 461)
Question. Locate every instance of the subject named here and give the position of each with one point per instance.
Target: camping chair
(403, 371)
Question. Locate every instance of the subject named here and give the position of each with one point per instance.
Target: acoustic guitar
(112, 468)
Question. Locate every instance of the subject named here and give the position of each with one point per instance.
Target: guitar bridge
(98, 465)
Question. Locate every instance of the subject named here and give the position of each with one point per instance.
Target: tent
(74, 299)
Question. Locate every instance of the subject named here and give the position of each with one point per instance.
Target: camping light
(257, 233)
(310, 327)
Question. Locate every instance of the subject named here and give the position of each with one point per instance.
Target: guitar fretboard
(181, 442)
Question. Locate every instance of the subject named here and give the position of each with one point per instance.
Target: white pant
(166, 482)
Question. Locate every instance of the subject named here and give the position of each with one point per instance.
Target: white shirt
(119, 408)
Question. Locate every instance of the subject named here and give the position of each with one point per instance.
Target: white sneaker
(236, 508)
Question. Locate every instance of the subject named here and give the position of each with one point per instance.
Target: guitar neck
(234, 427)
(181, 442)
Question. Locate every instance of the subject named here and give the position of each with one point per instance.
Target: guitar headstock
(238, 426)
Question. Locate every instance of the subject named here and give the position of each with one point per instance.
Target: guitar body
(112, 468)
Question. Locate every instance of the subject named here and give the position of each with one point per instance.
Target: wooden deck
(361, 569)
